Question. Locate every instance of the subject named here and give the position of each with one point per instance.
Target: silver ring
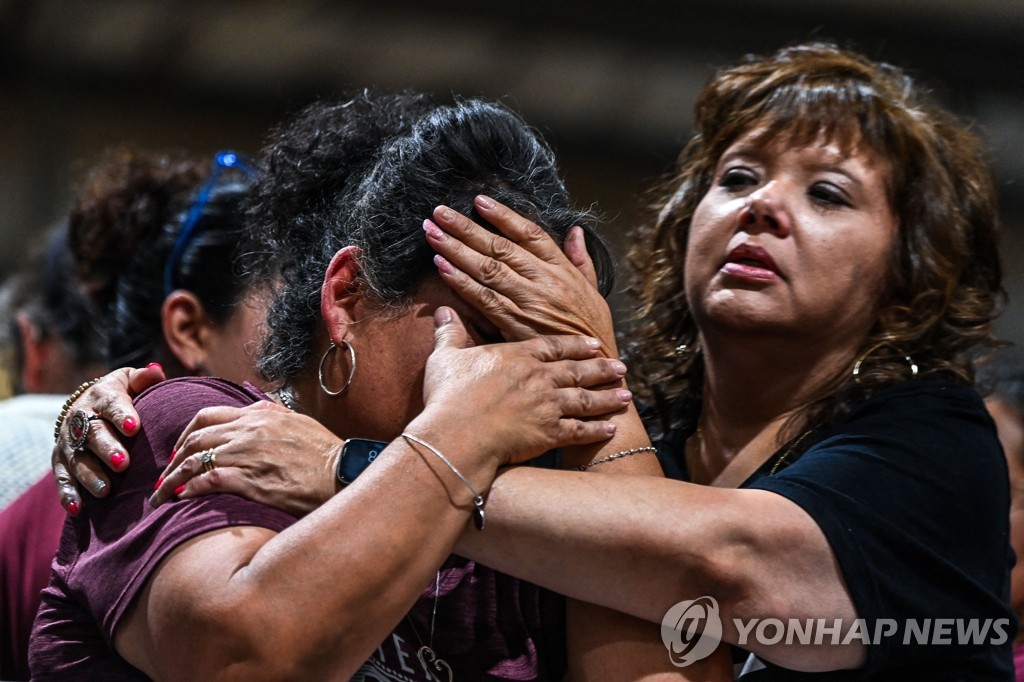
(78, 428)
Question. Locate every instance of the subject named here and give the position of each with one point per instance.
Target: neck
(747, 401)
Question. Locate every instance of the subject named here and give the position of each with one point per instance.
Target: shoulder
(173, 403)
(197, 390)
(931, 420)
(922, 397)
(167, 408)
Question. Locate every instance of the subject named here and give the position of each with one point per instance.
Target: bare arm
(333, 585)
(641, 544)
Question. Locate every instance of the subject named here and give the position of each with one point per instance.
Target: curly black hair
(367, 172)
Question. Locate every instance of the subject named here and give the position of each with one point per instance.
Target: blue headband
(221, 162)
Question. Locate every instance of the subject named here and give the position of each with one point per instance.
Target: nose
(764, 211)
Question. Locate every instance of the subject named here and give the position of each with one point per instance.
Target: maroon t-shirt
(30, 529)
(488, 625)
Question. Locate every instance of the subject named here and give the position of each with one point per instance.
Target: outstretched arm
(640, 544)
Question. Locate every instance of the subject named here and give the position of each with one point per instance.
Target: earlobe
(341, 293)
(184, 320)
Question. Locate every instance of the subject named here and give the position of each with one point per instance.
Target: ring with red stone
(78, 428)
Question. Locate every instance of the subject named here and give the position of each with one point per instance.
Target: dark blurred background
(610, 84)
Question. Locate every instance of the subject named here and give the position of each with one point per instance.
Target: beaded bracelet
(67, 406)
(617, 455)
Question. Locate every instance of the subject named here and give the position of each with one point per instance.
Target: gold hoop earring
(352, 373)
(863, 356)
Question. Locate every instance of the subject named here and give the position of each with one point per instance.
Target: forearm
(608, 456)
(639, 544)
(330, 588)
(580, 534)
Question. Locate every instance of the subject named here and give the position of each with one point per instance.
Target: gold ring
(208, 458)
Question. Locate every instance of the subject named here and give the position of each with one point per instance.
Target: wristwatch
(356, 455)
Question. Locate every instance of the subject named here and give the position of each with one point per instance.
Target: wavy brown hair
(943, 286)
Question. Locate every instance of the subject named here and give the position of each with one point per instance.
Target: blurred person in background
(1005, 402)
(53, 345)
(151, 264)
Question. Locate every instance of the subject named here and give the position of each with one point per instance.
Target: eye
(827, 194)
(737, 178)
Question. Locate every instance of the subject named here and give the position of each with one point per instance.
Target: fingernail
(618, 366)
(155, 364)
(73, 508)
(173, 453)
(179, 490)
(153, 501)
(117, 460)
(443, 265)
(593, 343)
(99, 486)
(484, 201)
(609, 428)
(130, 424)
(159, 482)
(433, 231)
(445, 214)
(442, 316)
(624, 395)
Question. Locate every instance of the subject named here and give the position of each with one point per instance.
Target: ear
(35, 351)
(185, 324)
(341, 296)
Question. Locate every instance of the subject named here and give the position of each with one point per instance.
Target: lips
(751, 262)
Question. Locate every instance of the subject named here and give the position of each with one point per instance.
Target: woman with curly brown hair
(821, 274)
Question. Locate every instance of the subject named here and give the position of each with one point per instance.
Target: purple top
(30, 529)
(488, 625)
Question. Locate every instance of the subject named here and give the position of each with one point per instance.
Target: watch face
(356, 455)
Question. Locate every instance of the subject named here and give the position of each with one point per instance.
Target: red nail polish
(173, 453)
(179, 490)
(129, 424)
(73, 508)
(155, 364)
(116, 460)
(159, 482)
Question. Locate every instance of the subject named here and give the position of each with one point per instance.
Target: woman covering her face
(366, 340)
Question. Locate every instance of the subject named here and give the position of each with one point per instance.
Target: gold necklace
(788, 451)
(698, 434)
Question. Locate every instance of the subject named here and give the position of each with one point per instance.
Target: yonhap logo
(691, 630)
